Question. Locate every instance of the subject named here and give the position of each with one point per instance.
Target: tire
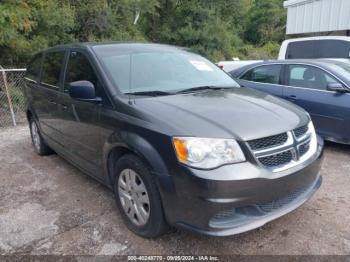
(138, 198)
(39, 144)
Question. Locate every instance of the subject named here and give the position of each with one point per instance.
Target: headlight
(313, 141)
(207, 153)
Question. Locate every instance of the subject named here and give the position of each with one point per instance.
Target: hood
(240, 113)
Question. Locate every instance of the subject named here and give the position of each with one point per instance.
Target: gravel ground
(47, 206)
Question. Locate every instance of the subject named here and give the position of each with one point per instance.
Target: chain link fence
(12, 103)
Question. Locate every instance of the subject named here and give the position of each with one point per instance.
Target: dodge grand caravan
(175, 138)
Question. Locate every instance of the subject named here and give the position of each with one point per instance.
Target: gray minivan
(177, 140)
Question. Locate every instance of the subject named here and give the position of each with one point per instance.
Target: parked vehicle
(321, 87)
(316, 47)
(175, 138)
(235, 64)
(335, 47)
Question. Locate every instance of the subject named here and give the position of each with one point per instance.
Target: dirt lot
(49, 207)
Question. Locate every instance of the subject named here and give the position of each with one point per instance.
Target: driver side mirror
(84, 91)
(337, 87)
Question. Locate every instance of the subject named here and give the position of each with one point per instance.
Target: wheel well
(114, 155)
(29, 115)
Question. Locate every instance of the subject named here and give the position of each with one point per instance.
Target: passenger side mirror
(337, 87)
(84, 91)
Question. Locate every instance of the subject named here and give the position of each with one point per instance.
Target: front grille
(267, 142)
(277, 159)
(304, 148)
(281, 151)
(242, 214)
(224, 214)
(300, 131)
(277, 204)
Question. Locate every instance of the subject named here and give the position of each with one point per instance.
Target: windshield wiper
(200, 88)
(150, 93)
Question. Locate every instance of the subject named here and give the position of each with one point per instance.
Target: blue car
(321, 87)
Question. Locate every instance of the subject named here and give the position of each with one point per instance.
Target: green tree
(110, 19)
(218, 29)
(30, 25)
(15, 24)
(196, 24)
(53, 23)
(266, 22)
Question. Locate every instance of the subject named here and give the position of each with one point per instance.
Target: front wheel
(138, 198)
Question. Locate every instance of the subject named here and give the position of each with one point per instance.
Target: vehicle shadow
(341, 148)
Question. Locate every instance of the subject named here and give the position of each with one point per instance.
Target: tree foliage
(218, 29)
(265, 22)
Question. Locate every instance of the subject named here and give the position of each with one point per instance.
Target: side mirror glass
(83, 90)
(337, 87)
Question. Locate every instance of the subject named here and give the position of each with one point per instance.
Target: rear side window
(318, 49)
(264, 74)
(52, 67)
(309, 77)
(33, 69)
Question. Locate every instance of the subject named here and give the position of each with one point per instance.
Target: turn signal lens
(181, 150)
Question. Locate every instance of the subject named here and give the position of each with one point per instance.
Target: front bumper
(239, 220)
(243, 196)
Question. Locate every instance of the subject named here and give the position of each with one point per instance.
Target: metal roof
(313, 16)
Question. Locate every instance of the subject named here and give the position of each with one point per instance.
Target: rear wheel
(138, 198)
(40, 146)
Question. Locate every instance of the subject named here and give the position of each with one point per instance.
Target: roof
(313, 16)
(289, 3)
(303, 61)
(317, 62)
(343, 38)
(125, 46)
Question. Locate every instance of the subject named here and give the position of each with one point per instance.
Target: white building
(318, 17)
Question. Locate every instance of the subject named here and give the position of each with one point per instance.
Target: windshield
(341, 68)
(167, 71)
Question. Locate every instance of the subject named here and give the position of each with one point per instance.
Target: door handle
(64, 106)
(53, 102)
(293, 97)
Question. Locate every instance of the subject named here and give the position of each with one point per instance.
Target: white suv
(316, 47)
